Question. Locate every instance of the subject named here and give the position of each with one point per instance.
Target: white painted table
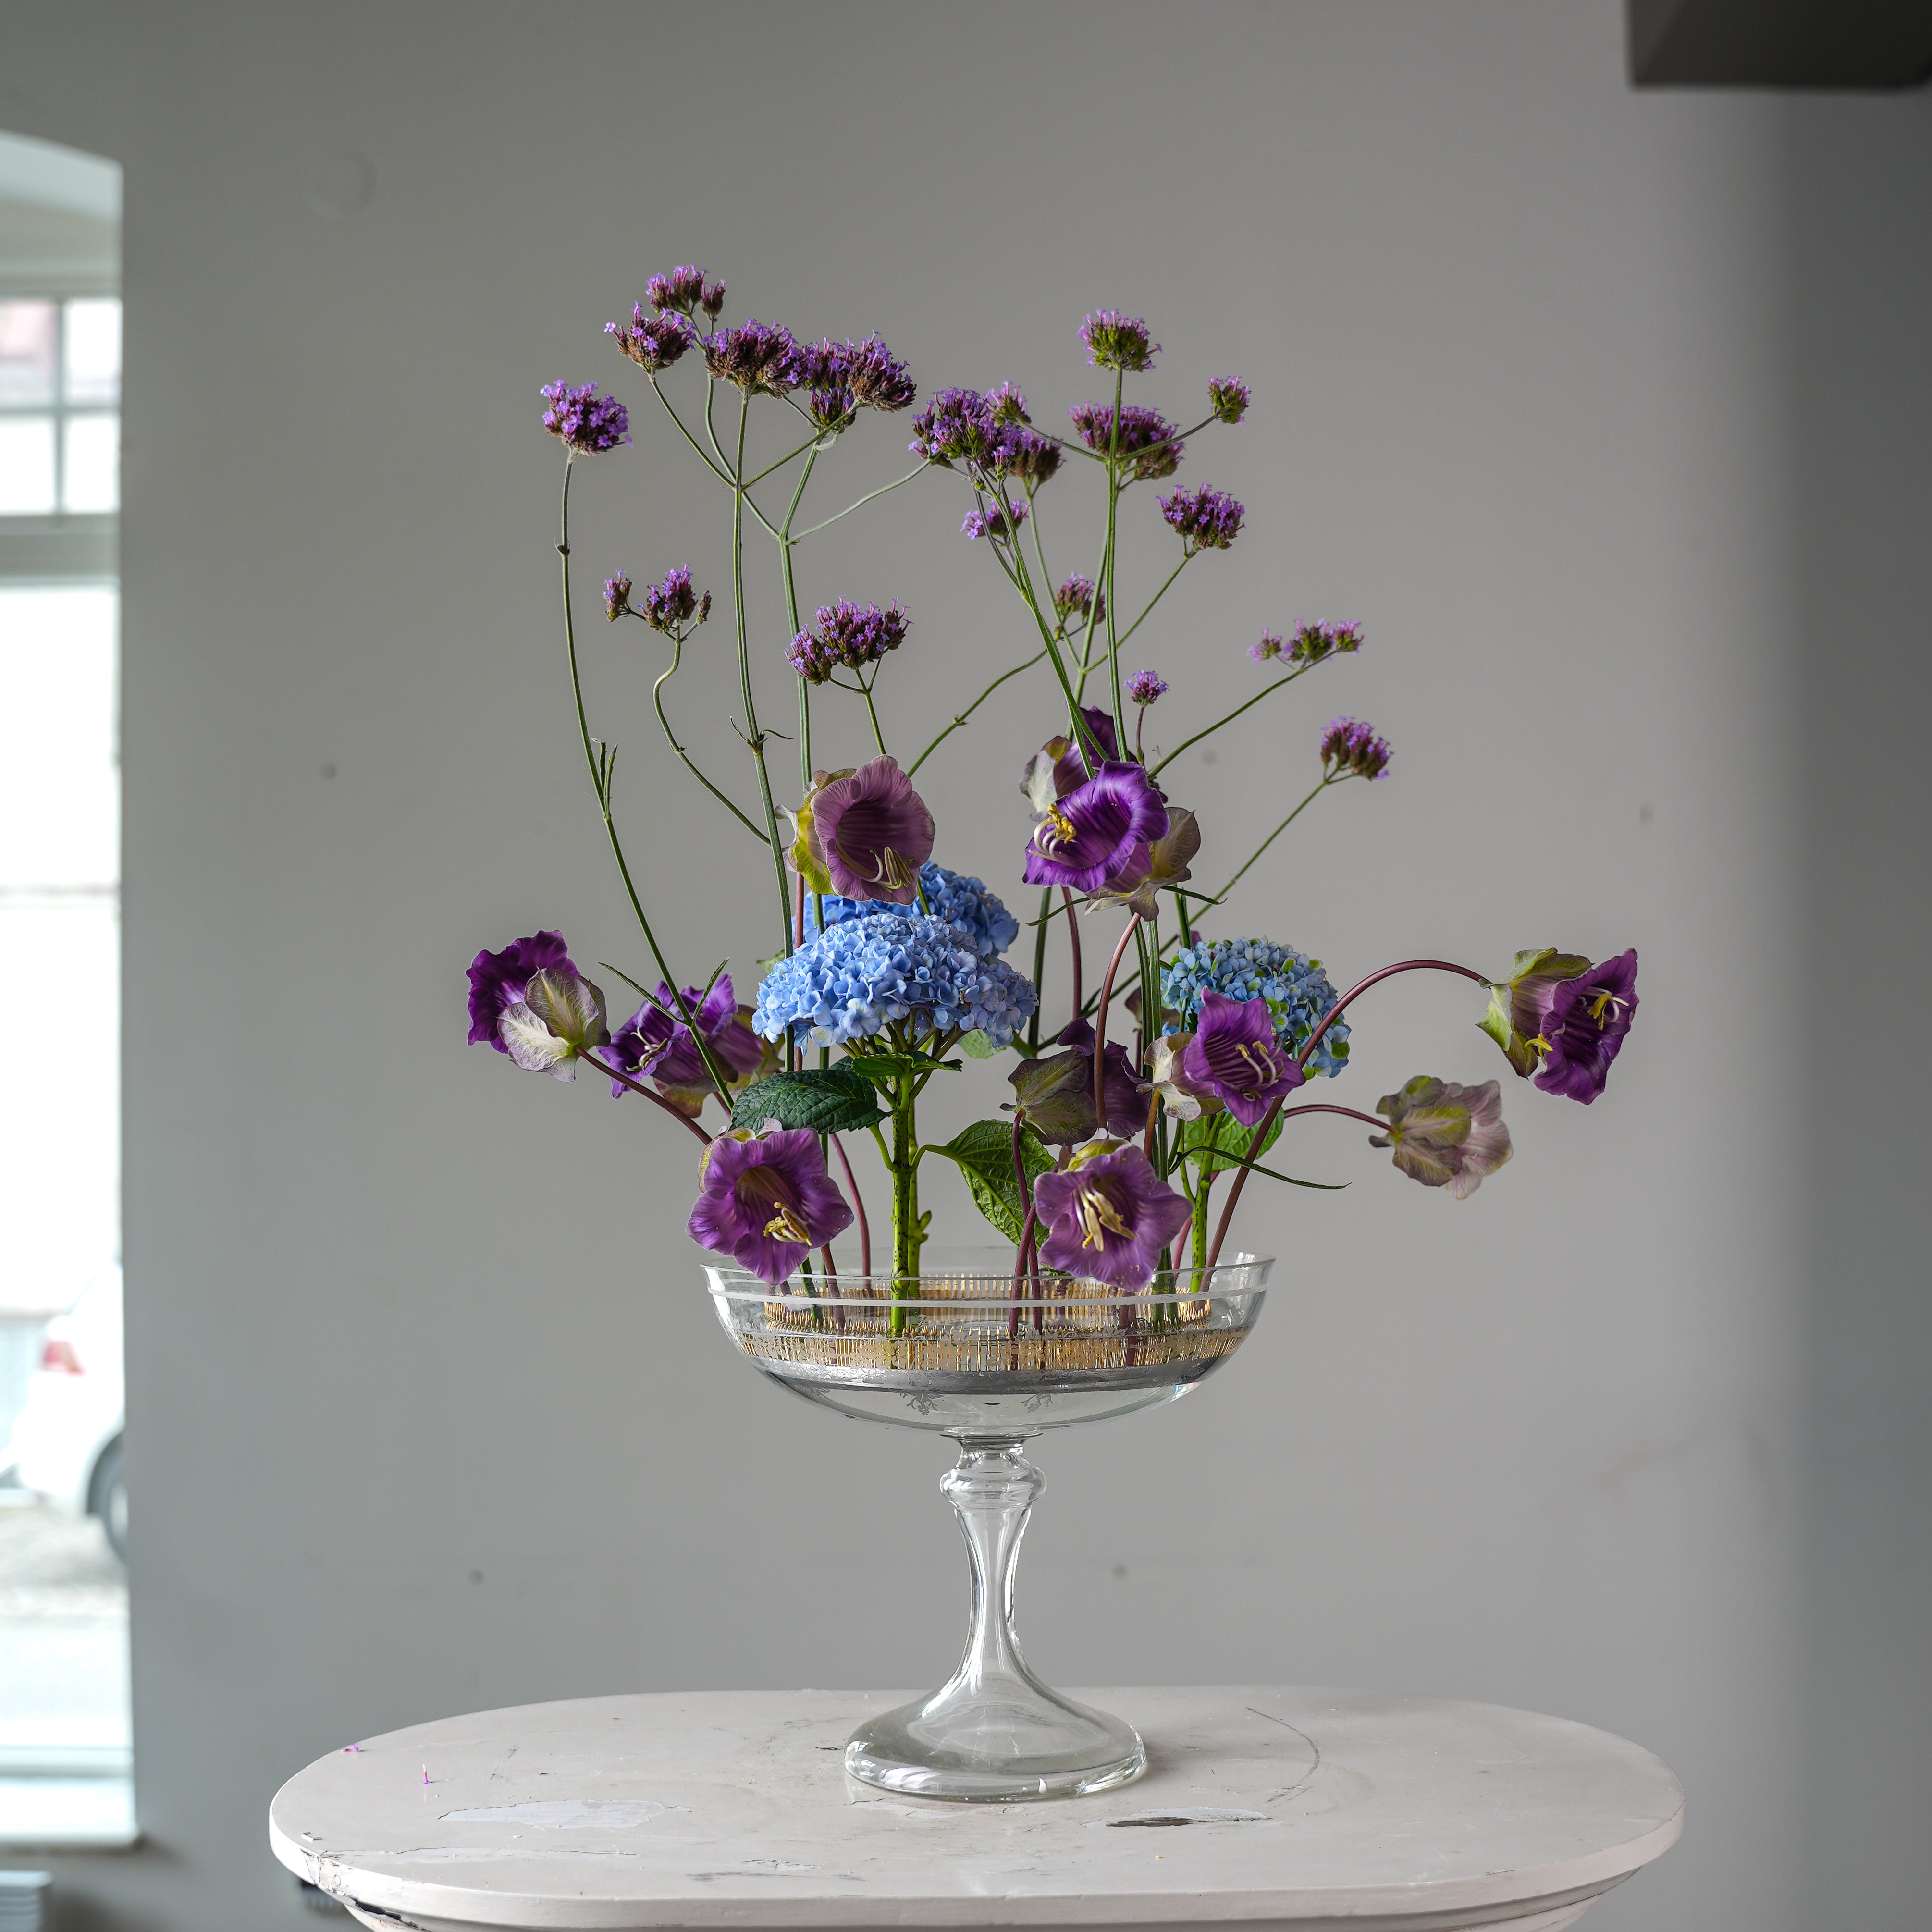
(1307, 1809)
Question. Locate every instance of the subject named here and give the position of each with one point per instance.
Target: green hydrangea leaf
(976, 1045)
(1218, 1143)
(984, 1153)
(829, 1100)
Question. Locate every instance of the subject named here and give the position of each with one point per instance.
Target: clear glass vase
(971, 1350)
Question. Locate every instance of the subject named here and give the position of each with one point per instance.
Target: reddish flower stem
(858, 1206)
(1301, 1059)
(1100, 1028)
(1073, 941)
(657, 1100)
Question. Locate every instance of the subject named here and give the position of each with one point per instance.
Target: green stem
(907, 1235)
(1266, 691)
(1187, 558)
(755, 737)
(600, 779)
(859, 504)
(671, 738)
(1113, 599)
(722, 475)
(1326, 781)
(1040, 926)
(878, 736)
(973, 707)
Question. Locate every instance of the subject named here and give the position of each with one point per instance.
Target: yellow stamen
(785, 1225)
(1604, 998)
(1097, 1213)
(1054, 830)
(891, 870)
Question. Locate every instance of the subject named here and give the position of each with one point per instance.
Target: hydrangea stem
(1040, 926)
(907, 1233)
(1314, 1040)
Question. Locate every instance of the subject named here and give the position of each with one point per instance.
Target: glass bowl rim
(737, 1284)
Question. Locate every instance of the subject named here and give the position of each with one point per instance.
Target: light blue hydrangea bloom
(848, 982)
(977, 917)
(1294, 986)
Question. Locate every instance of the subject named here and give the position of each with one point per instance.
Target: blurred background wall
(1605, 413)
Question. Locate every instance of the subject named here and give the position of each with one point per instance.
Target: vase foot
(1018, 1741)
(994, 1731)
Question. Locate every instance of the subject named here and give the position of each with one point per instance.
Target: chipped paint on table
(1307, 1808)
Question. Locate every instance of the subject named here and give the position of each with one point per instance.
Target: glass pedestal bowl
(990, 1359)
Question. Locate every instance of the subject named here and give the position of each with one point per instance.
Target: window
(64, 1736)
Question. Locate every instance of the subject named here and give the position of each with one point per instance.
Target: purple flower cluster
(589, 423)
(1311, 643)
(845, 377)
(1034, 458)
(1117, 341)
(1077, 596)
(851, 634)
(617, 596)
(1228, 398)
(1144, 686)
(683, 290)
(652, 341)
(1351, 747)
(995, 519)
(671, 605)
(1148, 443)
(961, 426)
(1207, 519)
(761, 359)
(1007, 404)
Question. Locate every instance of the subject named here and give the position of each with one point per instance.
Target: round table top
(1306, 1807)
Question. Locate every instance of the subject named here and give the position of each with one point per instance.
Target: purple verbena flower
(1033, 458)
(497, 980)
(712, 299)
(1445, 1135)
(1314, 642)
(1083, 839)
(682, 290)
(1207, 519)
(1235, 1056)
(1578, 1025)
(765, 1200)
(671, 605)
(1269, 647)
(1228, 398)
(1007, 404)
(761, 359)
(995, 519)
(851, 634)
(653, 1044)
(1054, 1094)
(1148, 444)
(1107, 1218)
(876, 378)
(617, 596)
(590, 424)
(959, 426)
(867, 832)
(1077, 597)
(652, 341)
(1117, 341)
(832, 407)
(1144, 686)
(1351, 747)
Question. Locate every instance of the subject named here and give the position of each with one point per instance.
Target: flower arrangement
(1179, 1069)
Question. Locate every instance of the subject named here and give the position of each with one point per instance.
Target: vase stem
(993, 1730)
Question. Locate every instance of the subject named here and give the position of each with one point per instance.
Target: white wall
(426, 1411)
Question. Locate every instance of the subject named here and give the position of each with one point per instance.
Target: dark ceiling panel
(1798, 44)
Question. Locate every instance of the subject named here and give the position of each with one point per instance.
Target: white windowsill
(97, 1813)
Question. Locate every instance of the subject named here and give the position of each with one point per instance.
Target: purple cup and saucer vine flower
(1136, 1104)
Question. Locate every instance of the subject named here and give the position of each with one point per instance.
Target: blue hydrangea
(849, 982)
(1296, 988)
(977, 917)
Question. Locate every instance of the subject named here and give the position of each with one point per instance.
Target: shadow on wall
(1858, 173)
